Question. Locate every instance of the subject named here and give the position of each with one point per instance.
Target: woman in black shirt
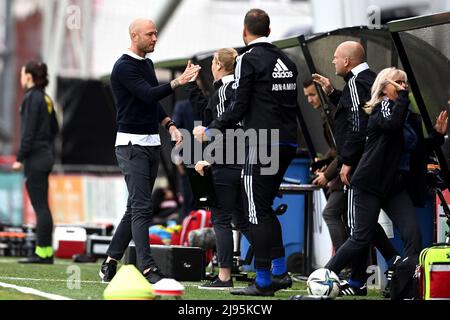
(36, 154)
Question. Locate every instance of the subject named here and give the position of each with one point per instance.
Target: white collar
(227, 79)
(360, 68)
(133, 55)
(260, 40)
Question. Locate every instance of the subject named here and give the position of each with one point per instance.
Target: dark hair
(308, 82)
(257, 22)
(38, 71)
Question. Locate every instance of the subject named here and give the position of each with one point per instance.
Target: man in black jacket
(266, 101)
(349, 128)
(327, 176)
(137, 93)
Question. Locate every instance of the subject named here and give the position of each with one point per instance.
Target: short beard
(144, 49)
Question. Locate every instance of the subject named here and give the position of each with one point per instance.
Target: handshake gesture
(189, 75)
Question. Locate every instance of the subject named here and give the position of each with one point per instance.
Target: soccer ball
(324, 283)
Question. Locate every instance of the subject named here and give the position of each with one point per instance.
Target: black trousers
(401, 211)
(379, 241)
(37, 168)
(228, 212)
(260, 190)
(139, 165)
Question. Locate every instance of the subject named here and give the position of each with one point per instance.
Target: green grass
(7, 294)
(57, 279)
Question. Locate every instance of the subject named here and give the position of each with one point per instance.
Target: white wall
(112, 19)
(333, 14)
(197, 25)
(203, 25)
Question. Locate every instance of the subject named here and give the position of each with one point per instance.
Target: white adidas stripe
(248, 182)
(355, 102)
(283, 65)
(238, 68)
(350, 210)
(278, 68)
(220, 105)
(254, 218)
(385, 109)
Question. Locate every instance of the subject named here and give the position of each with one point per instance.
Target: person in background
(36, 154)
(165, 207)
(327, 177)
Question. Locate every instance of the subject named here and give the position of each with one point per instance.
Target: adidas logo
(281, 71)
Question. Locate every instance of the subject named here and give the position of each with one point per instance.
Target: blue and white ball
(323, 283)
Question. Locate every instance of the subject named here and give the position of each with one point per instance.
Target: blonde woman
(391, 173)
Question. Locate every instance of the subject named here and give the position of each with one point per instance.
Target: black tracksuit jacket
(267, 93)
(38, 124)
(212, 108)
(350, 120)
(377, 172)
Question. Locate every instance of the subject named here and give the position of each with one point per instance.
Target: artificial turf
(61, 277)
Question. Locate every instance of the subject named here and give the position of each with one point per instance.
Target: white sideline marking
(34, 292)
(188, 285)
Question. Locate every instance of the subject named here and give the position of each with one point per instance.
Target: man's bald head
(348, 55)
(143, 35)
(354, 50)
(139, 24)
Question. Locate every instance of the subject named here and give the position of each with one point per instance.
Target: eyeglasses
(400, 82)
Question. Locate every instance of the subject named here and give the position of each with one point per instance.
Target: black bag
(176, 262)
(404, 283)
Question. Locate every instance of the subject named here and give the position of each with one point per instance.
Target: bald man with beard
(349, 128)
(137, 94)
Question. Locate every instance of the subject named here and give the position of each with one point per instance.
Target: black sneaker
(346, 290)
(389, 273)
(281, 282)
(217, 284)
(108, 271)
(154, 275)
(36, 260)
(254, 290)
